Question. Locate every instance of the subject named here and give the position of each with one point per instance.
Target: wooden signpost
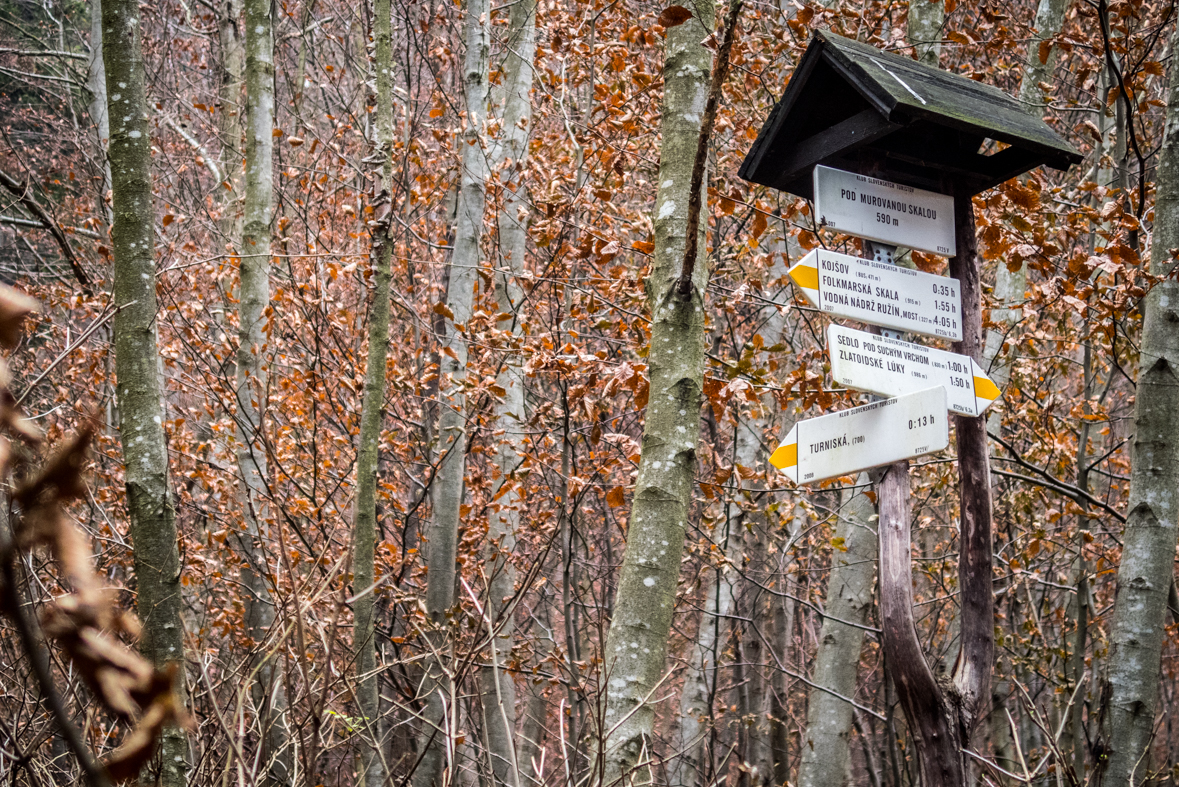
(889, 367)
(883, 211)
(888, 149)
(871, 435)
(880, 293)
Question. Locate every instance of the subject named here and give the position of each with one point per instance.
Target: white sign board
(880, 293)
(883, 211)
(891, 367)
(869, 436)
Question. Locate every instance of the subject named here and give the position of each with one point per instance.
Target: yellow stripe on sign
(785, 456)
(805, 276)
(985, 389)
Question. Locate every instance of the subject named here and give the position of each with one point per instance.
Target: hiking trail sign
(890, 367)
(884, 211)
(868, 436)
(879, 293)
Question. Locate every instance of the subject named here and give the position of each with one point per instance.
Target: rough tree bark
(637, 641)
(851, 590)
(1147, 569)
(509, 158)
(251, 382)
(364, 526)
(442, 541)
(139, 389)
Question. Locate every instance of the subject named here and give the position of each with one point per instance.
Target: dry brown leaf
(674, 15)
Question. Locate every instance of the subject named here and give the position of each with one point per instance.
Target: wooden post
(941, 721)
(976, 657)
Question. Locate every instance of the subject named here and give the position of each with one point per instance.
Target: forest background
(384, 353)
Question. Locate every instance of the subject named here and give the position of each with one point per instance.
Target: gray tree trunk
(636, 645)
(251, 384)
(96, 85)
(364, 530)
(509, 157)
(229, 120)
(851, 589)
(1007, 298)
(1147, 568)
(700, 678)
(924, 29)
(452, 424)
(139, 390)
(1049, 20)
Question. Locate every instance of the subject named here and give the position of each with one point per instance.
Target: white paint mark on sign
(890, 367)
(879, 293)
(869, 436)
(884, 211)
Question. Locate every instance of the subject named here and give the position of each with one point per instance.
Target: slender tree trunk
(1007, 298)
(229, 119)
(700, 680)
(452, 423)
(364, 533)
(96, 84)
(1147, 569)
(826, 753)
(534, 727)
(140, 389)
(636, 646)
(251, 385)
(497, 684)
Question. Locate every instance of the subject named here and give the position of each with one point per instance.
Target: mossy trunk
(364, 528)
(636, 646)
(140, 390)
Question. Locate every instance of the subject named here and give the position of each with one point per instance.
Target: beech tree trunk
(1146, 571)
(442, 541)
(229, 117)
(636, 645)
(851, 590)
(140, 389)
(364, 530)
(510, 159)
(924, 29)
(268, 691)
(1007, 298)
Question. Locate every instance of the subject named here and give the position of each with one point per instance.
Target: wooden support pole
(942, 720)
(976, 657)
(925, 706)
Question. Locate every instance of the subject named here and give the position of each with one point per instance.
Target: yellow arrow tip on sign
(785, 456)
(985, 389)
(805, 276)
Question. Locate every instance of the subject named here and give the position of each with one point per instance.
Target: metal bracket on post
(883, 252)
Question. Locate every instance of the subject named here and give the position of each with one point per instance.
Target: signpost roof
(852, 106)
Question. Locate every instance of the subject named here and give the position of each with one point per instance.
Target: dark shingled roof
(852, 106)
